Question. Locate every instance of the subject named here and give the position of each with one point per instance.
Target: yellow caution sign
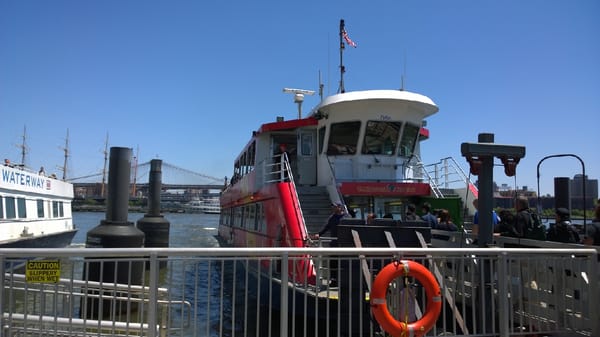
(42, 271)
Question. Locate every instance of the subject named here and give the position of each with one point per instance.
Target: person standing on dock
(592, 235)
(495, 219)
(562, 230)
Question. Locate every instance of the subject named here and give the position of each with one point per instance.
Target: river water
(186, 230)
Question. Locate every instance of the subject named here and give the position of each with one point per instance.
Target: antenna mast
(342, 68)
(299, 97)
(104, 169)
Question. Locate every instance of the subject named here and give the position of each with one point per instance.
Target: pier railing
(246, 292)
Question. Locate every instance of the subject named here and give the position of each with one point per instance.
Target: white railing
(246, 292)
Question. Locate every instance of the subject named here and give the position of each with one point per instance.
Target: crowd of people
(519, 223)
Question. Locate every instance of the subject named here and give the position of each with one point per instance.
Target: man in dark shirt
(523, 217)
(562, 230)
(332, 223)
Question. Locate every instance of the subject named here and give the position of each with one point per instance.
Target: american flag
(347, 38)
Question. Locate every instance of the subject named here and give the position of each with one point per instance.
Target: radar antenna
(299, 97)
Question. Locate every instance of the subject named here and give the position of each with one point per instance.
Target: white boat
(207, 206)
(35, 210)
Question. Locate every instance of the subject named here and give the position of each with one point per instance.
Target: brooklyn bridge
(178, 184)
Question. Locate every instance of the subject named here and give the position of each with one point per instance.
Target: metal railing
(247, 292)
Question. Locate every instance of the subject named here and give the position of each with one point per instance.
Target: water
(186, 231)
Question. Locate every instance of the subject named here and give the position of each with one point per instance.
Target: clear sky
(188, 81)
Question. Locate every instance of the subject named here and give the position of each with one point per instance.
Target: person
(506, 226)
(42, 172)
(370, 218)
(411, 213)
(446, 222)
(337, 213)
(523, 217)
(592, 235)
(428, 217)
(562, 230)
(495, 219)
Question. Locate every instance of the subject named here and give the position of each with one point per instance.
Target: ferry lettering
(23, 179)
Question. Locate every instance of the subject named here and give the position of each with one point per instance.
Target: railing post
(2, 271)
(153, 295)
(284, 295)
(503, 298)
(594, 283)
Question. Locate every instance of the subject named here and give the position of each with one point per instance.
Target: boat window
(251, 215)
(381, 137)
(40, 208)
(11, 211)
(55, 209)
(1, 208)
(409, 140)
(21, 209)
(61, 209)
(307, 144)
(343, 138)
(321, 139)
(260, 218)
(252, 155)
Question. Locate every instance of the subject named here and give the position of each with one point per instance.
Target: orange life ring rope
(379, 301)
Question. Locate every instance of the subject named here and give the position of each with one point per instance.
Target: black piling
(153, 224)
(114, 232)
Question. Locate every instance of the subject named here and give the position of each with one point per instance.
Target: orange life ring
(379, 302)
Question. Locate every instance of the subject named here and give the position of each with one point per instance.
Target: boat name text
(25, 179)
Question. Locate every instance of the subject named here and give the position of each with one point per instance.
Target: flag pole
(342, 68)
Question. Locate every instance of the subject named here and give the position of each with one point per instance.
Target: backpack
(535, 229)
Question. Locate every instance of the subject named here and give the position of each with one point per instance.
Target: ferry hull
(55, 240)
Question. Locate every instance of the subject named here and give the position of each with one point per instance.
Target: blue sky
(188, 81)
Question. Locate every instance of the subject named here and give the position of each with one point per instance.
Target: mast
(23, 146)
(104, 169)
(66, 150)
(342, 68)
(135, 167)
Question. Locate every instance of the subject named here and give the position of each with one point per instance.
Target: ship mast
(66, 150)
(104, 169)
(135, 168)
(23, 146)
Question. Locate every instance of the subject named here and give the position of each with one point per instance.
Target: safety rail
(247, 292)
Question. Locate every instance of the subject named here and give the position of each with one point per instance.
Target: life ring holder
(379, 302)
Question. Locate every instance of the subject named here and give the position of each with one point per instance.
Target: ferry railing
(446, 173)
(239, 292)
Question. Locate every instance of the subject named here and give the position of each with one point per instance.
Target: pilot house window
(381, 137)
(409, 139)
(343, 138)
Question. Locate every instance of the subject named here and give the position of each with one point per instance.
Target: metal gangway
(222, 292)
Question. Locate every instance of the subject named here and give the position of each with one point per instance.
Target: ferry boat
(206, 206)
(35, 210)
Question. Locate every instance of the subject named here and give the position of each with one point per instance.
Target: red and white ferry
(358, 148)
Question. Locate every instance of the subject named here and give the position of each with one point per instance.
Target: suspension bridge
(173, 178)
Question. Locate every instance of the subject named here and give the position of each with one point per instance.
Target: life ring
(379, 302)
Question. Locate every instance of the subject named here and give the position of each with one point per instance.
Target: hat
(562, 211)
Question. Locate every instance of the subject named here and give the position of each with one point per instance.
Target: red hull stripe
(385, 189)
(287, 125)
